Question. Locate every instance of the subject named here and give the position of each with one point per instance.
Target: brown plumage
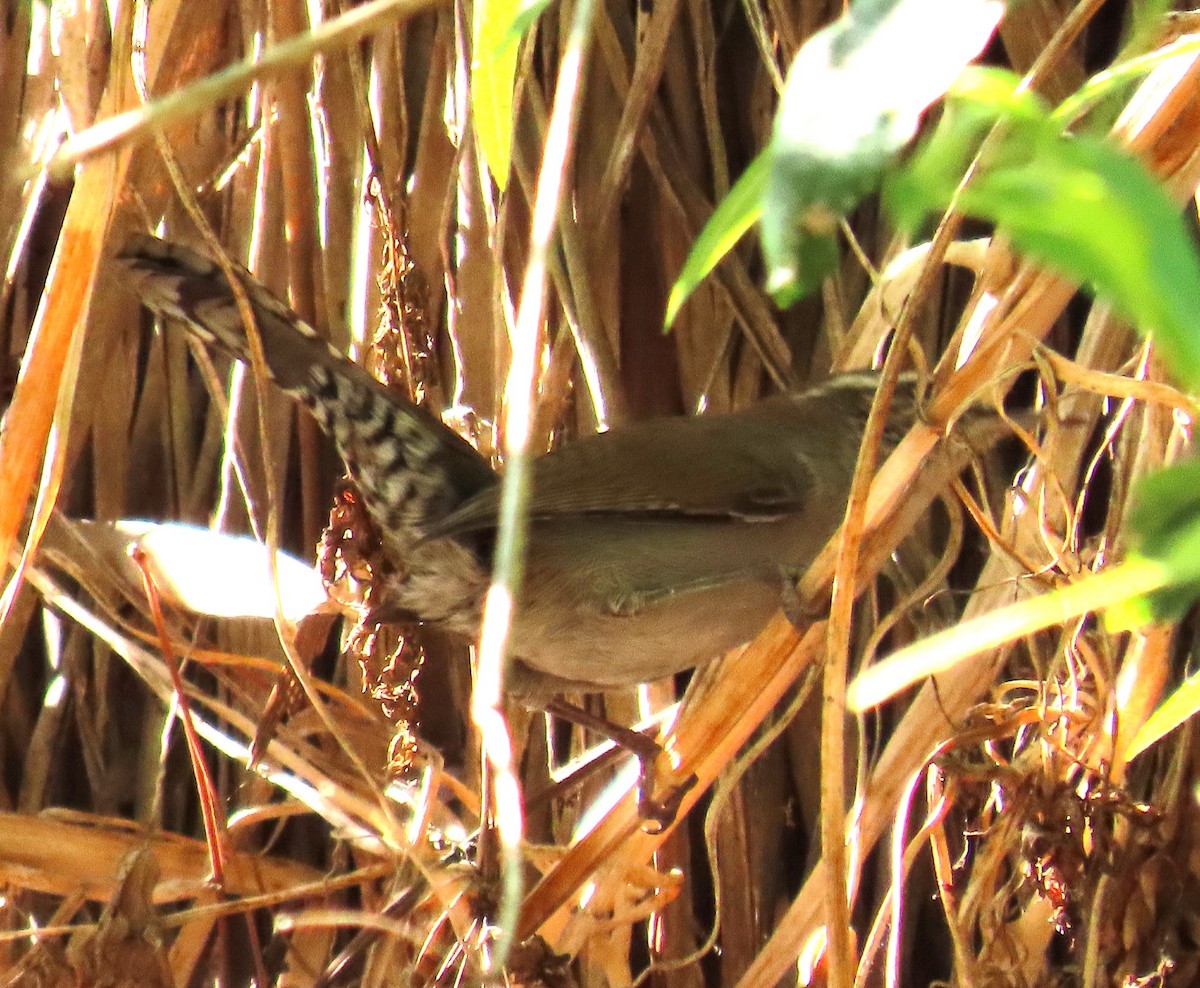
(652, 548)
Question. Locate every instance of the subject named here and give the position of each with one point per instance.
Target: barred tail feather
(411, 469)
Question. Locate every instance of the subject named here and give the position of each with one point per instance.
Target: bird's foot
(659, 809)
(803, 612)
(658, 804)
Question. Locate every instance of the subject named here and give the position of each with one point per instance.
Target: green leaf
(734, 215)
(529, 12)
(1166, 525)
(979, 98)
(1178, 707)
(853, 99)
(1102, 96)
(1080, 205)
(493, 72)
(1163, 504)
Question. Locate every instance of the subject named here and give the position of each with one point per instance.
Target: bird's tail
(410, 468)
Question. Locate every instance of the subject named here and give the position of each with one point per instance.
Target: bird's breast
(610, 602)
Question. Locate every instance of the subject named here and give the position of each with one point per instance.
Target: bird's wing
(722, 467)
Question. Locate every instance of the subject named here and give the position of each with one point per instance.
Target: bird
(652, 548)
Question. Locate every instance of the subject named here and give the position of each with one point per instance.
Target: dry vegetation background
(1031, 852)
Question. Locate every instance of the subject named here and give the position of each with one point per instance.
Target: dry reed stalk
(351, 178)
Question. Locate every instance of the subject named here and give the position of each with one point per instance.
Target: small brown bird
(652, 548)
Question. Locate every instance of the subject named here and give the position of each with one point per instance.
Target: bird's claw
(658, 810)
(801, 611)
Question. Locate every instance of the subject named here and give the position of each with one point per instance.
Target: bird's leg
(658, 811)
(801, 611)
